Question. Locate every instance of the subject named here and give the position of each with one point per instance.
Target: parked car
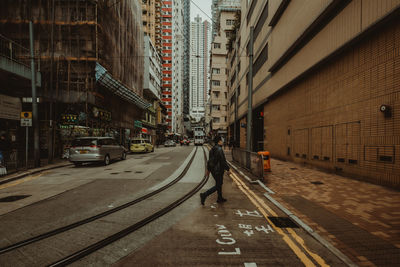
(141, 145)
(169, 143)
(95, 149)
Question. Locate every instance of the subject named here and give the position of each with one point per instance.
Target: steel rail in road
(107, 241)
(95, 217)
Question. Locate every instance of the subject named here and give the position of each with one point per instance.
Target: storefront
(12, 144)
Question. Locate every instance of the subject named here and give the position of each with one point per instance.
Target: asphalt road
(236, 233)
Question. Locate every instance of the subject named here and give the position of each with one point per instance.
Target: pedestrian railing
(251, 161)
(14, 52)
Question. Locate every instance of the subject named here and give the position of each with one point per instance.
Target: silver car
(92, 149)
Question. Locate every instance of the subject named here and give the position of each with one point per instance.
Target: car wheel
(123, 157)
(106, 160)
(152, 150)
(77, 164)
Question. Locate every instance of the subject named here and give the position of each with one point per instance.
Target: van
(95, 149)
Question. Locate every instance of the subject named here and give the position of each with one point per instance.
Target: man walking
(216, 165)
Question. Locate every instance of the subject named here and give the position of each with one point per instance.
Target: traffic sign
(26, 115)
(26, 122)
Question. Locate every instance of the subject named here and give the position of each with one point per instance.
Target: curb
(303, 225)
(24, 174)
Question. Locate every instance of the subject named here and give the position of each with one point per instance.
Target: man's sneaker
(202, 198)
(221, 200)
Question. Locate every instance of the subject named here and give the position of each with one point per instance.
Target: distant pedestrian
(216, 165)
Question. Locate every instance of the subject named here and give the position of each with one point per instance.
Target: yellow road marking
(20, 181)
(257, 201)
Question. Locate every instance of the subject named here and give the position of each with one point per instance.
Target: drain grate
(138, 172)
(13, 198)
(283, 222)
(114, 173)
(127, 171)
(293, 168)
(317, 182)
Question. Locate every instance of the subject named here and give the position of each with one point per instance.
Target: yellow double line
(20, 181)
(265, 209)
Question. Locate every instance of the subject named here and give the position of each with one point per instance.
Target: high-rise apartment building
(151, 17)
(200, 38)
(177, 67)
(225, 15)
(186, 56)
(166, 54)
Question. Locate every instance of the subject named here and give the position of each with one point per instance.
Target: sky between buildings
(205, 5)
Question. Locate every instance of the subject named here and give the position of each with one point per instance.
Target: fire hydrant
(266, 158)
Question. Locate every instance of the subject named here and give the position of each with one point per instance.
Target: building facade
(226, 15)
(87, 88)
(177, 65)
(323, 83)
(151, 89)
(200, 39)
(186, 58)
(151, 19)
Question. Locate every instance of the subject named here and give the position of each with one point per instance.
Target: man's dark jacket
(217, 162)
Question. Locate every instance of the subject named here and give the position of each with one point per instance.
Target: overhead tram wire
(241, 51)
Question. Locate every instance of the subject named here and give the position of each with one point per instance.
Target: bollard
(267, 162)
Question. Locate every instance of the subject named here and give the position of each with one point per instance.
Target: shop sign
(69, 119)
(101, 114)
(138, 124)
(144, 130)
(10, 107)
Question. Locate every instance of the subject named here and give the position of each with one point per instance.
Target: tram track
(132, 228)
(79, 223)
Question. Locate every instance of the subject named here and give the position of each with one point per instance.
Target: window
(261, 21)
(217, 45)
(216, 107)
(229, 34)
(216, 71)
(262, 58)
(216, 120)
(215, 83)
(230, 22)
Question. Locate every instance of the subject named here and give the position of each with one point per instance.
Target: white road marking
(250, 264)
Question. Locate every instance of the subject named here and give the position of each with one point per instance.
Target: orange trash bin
(267, 162)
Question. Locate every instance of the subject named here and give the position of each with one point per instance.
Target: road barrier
(251, 161)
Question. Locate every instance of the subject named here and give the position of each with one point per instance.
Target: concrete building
(151, 88)
(92, 71)
(186, 58)
(166, 54)
(151, 19)
(324, 84)
(200, 39)
(225, 15)
(177, 67)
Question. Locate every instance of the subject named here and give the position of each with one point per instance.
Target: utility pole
(35, 114)
(51, 111)
(250, 94)
(235, 123)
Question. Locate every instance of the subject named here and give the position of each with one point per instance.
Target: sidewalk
(360, 219)
(58, 163)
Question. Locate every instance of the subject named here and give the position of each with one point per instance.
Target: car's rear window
(84, 142)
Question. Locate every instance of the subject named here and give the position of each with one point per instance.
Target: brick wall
(332, 117)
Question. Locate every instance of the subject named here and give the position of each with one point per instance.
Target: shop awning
(105, 79)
